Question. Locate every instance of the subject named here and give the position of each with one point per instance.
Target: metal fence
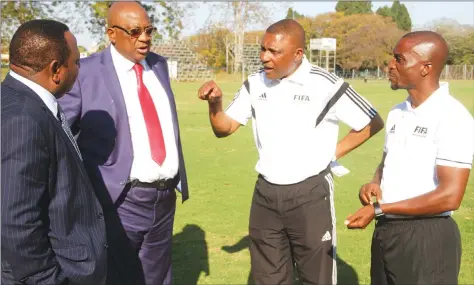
(450, 72)
(465, 72)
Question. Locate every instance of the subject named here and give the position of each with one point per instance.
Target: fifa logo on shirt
(301, 98)
(262, 96)
(420, 131)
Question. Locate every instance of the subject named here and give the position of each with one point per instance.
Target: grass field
(210, 244)
(221, 177)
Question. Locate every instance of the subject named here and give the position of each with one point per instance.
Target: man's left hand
(361, 218)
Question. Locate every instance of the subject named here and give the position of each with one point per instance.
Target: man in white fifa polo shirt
(292, 216)
(425, 167)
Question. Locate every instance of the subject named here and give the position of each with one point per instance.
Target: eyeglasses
(137, 32)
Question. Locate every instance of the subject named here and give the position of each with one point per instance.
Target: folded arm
(356, 138)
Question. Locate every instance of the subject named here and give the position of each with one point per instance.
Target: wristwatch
(377, 211)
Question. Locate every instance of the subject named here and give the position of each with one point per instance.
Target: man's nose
(263, 56)
(391, 63)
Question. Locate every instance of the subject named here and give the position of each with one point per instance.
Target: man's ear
(426, 69)
(299, 54)
(54, 69)
(111, 34)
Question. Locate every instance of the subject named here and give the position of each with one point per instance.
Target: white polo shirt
(284, 114)
(438, 132)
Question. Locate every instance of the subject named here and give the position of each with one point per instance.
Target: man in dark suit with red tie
(123, 111)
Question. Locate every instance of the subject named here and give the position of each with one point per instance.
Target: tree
(398, 13)
(384, 11)
(460, 39)
(15, 13)
(210, 45)
(354, 7)
(238, 16)
(363, 41)
(292, 14)
(316, 27)
(401, 16)
(165, 15)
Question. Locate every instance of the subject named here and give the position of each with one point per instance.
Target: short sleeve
(354, 110)
(455, 138)
(240, 109)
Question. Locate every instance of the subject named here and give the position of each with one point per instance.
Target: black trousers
(293, 224)
(416, 251)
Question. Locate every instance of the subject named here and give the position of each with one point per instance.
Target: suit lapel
(160, 71)
(112, 84)
(32, 96)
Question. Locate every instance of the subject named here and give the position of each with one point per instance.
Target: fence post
(447, 72)
(464, 72)
(353, 74)
(472, 72)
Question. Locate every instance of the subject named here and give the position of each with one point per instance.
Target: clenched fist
(210, 91)
(369, 190)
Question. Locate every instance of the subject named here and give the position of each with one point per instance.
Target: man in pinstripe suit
(53, 229)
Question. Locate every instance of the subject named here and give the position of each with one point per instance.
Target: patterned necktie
(62, 119)
(153, 126)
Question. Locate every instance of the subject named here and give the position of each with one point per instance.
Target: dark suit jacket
(53, 229)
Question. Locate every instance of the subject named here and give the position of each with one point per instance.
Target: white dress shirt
(144, 168)
(44, 94)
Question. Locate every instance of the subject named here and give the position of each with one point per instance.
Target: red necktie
(153, 126)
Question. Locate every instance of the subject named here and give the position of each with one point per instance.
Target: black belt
(160, 185)
(385, 219)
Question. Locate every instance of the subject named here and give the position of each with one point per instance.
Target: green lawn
(221, 178)
(210, 245)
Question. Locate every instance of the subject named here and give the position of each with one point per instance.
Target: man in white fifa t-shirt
(429, 146)
(292, 215)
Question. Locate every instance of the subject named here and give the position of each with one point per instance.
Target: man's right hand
(369, 190)
(210, 91)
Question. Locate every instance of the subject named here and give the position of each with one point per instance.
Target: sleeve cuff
(235, 118)
(453, 163)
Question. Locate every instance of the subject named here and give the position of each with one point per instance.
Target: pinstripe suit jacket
(53, 231)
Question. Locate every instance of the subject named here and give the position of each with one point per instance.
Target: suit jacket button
(106, 245)
(122, 182)
(100, 216)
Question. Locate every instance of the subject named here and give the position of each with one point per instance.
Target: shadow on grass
(346, 275)
(190, 255)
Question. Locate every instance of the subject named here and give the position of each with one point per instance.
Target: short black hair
(290, 28)
(37, 43)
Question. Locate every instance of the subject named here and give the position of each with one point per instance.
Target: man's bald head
(118, 11)
(130, 30)
(418, 61)
(290, 28)
(428, 47)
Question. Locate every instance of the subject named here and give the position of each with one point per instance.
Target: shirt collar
(123, 64)
(300, 73)
(46, 96)
(430, 101)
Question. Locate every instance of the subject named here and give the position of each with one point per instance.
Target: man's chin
(140, 56)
